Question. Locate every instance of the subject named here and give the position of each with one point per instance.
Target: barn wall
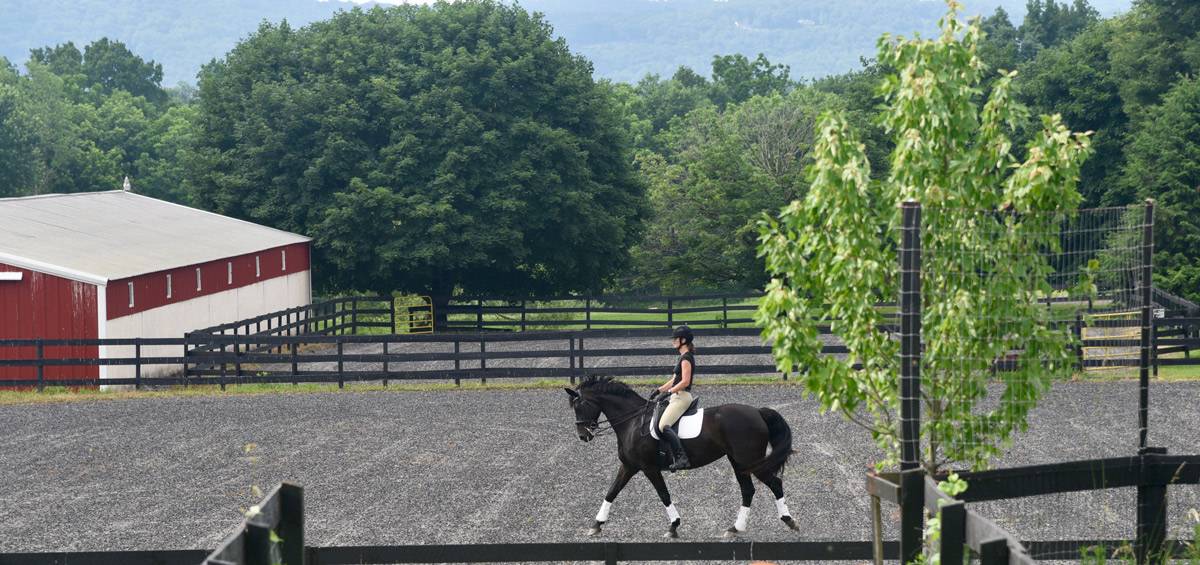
(177, 319)
(150, 291)
(50, 307)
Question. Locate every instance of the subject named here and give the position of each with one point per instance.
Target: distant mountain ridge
(624, 39)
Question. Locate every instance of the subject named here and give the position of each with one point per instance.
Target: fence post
(581, 355)
(354, 316)
(587, 312)
(523, 306)
(1151, 514)
(993, 552)
(237, 354)
(1147, 322)
(457, 366)
(393, 310)
(137, 354)
(910, 335)
(670, 313)
(224, 367)
(954, 531)
(725, 315)
(912, 482)
(385, 364)
(341, 370)
(877, 529)
(482, 359)
(572, 358)
(479, 315)
(41, 368)
(1078, 331)
(291, 524)
(295, 366)
(912, 513)
(186, 374)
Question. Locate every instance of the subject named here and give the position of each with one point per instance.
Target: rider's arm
(685, 368)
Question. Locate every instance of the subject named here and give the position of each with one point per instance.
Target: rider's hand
(654, 394)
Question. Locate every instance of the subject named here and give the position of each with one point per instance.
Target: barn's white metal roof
(101, 236)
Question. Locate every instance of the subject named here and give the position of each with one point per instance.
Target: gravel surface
(492, 466)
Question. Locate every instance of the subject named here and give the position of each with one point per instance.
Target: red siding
(50, 307)
(150, 290)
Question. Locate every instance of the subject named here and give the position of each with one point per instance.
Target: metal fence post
(910, 335)
(912, 483)
(1147, 323)
(41, 367)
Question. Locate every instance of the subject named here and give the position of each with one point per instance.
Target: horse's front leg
(624, 473)
(660, 485)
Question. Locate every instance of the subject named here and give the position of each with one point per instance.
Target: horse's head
(587, 414)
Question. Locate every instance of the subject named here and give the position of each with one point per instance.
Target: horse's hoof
(594, 531)
(790, 522)
(731, 533)
(671, 534)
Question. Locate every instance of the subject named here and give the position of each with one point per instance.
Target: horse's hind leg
(624, 473)
(776, 485)
(747, 486)
(660, 486)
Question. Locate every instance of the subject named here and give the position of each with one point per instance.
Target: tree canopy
(433, 148)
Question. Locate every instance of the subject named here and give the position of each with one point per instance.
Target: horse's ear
(572, 392)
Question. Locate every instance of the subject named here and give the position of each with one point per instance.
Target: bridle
(594, 426)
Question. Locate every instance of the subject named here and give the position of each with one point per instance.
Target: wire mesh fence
(1017, 304)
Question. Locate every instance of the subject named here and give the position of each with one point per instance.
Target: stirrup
(680, 463)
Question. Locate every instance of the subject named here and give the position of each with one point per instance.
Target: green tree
(19, 166)
(722, 170)
(1048, 24)
(1075, 80)
(1164, 164)
(736, 79)
(102, 68)
(444, 148)
(828, 252)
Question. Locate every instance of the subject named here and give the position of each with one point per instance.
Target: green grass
(63, 394)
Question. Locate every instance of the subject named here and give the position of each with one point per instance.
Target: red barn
(119, 265)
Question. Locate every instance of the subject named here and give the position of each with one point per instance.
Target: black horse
(736, 431)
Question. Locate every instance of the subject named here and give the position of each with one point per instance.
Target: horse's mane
(606, 385)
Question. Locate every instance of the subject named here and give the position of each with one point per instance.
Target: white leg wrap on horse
(740, 524)
(672, 513)
(602, 516)
(781, 506)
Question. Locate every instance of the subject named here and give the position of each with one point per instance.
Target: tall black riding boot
(681, 458)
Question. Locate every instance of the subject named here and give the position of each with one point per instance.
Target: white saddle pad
(689, 426)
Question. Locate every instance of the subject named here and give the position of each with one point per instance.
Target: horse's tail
(780, 436)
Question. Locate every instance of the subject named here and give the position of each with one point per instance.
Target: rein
(595, 426)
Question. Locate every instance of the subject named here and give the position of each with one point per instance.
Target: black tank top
(679, 370)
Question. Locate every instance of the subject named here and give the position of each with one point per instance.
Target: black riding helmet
(683, 332)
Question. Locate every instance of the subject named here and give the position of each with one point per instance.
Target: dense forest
(624, 39)
(465, 147)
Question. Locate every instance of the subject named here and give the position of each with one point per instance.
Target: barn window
(284, 253)
(131, 295)
(230, 273)
(257, 267)
(197, 280)
(168, 286)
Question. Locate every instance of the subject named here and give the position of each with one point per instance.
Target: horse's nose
(585, 437)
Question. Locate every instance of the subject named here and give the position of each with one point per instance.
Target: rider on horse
(680, 389)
